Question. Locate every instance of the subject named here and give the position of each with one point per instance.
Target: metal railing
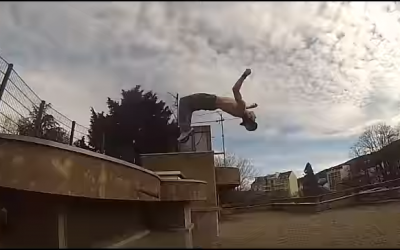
(22, 112)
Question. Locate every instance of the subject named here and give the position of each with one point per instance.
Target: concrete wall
(42, 166)
(205, 228)
(198, 166)
(193, 165)
(250, 198)
(183, 190)
(313, 207)
(200, 141)
(319, 203)
(379, 195)
(243, 198)
(227, 178)
(57, 196)
(33, 220)
(99, 223)
(234, 210)
(172, 215)
(342, 201)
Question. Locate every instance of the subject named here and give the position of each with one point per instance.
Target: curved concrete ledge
(38, 165)
(183, 190)
(227, 176)
(48, 143)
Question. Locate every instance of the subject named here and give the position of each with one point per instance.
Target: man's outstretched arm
(238, 85)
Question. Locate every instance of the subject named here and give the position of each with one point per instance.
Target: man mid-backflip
(234, 106)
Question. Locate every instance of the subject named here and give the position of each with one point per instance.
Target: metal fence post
(38, 121)
(5, 79)
(103, 142)
(71, 136)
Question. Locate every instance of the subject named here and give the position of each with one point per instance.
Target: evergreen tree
(49, 128)
(310, 183)
(139, 123)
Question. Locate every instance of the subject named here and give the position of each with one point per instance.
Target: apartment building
(258, 184)
(334, 177)
(278, 184)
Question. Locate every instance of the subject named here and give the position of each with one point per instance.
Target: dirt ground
(356, 227)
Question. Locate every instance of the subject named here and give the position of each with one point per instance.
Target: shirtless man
(235, 106)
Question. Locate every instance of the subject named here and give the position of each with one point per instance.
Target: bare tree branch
(374, 138)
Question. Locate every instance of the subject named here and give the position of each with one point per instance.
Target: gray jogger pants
(189, 104)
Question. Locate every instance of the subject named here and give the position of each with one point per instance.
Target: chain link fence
(22, 112)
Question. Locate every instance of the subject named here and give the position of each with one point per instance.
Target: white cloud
(321, 69)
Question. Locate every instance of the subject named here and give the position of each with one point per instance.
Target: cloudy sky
(321, 71)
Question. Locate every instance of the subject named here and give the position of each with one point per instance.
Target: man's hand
(254, 105)
(247, 72)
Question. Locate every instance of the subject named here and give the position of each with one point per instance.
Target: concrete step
(170, 175)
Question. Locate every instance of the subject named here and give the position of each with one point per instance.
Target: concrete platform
(57, 196)
(227, 178)
(183, 190)
(194, 165)
(172, 175)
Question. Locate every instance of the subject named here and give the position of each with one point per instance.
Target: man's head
(249, 121)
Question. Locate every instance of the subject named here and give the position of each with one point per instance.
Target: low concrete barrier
(245, 209)
(183, 190)
(343, 201)
(313, 207)
(379, 195)
(309, 207)
(362, 198)
(250, 198)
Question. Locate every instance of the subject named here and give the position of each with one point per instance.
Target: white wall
(294, 187)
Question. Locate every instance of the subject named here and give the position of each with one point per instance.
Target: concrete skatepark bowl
(54, 195)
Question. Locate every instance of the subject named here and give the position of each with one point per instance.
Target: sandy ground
(356, 227)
